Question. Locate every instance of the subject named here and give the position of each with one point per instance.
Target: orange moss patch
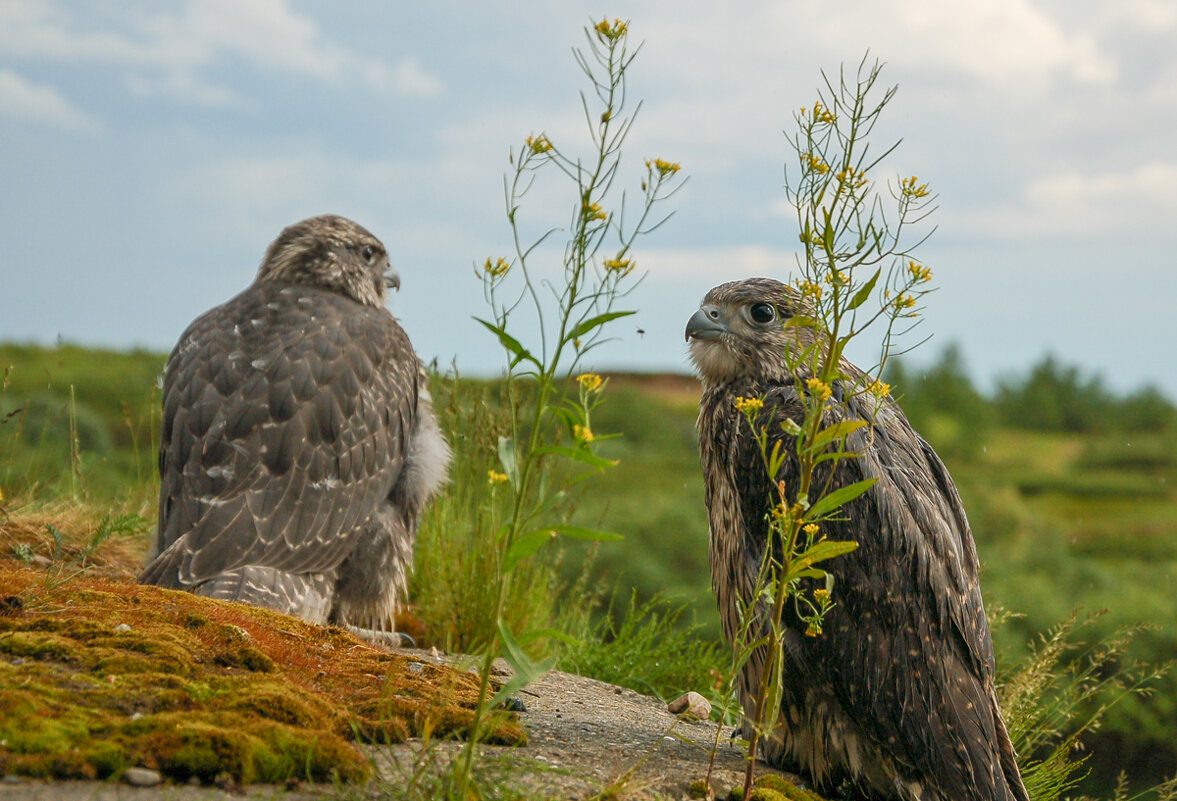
(98, 674)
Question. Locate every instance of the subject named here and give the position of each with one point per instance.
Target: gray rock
(122, 628)
(691, 706)
(142, 777)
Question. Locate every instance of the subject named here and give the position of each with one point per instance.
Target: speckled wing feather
(906, 652)
(285, 417)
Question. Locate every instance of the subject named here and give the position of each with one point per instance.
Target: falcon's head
(739, 331)
(334, 253)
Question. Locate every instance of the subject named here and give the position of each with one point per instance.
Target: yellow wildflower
(589, 382)
(819, 388)
(813, 630)
(610, 31)
(582, 433)
(663, 167)
(911, 187)
(622, 266)
(821, 594)
(919, 273)
(879, 389)
(816, 163)
(495, 477)
(496, 268)
(538, 144)
(811, 289)
(811, 529)
(749, 404)
(593, 211)
(904, 301)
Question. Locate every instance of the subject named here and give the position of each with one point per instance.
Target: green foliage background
(1071, 490)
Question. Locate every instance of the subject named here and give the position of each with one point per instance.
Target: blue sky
(150, 151)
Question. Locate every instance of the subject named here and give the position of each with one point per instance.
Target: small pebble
(416, 667)
(513, 704)
(142, 777)
(691, 706)
(42, 561)
(122, 628)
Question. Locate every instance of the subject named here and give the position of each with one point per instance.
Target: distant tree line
(943, 400)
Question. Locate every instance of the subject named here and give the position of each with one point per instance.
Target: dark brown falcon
(298, 443)
(896, 694)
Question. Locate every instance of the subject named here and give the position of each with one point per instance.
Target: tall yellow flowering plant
(547, 316)
(856, 271)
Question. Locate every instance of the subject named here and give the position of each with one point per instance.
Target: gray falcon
(298, 443)
(896, 695)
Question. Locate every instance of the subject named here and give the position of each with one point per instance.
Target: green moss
(201, 688)
(37, 645)
(781, 788)
(279, 702)
(766, 794)
(248, 658)
(697, 789)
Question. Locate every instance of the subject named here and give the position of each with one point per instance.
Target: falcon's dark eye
(762, 313)
(368, 253)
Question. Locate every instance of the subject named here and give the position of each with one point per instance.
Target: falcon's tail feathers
(304, 595)
(164, 569)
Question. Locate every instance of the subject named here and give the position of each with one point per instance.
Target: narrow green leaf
(526, 671)
(577, 454)
(776, 459)
(837, 456)
(803, 565)
(839, 497)
(836, 431)
(581, 533)
(525, 545)
(862, 294)
(507, 460)
(510, 343)
(593, 322)
(827, 549)
(809, 572)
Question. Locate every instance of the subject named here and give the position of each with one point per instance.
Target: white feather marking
(220, 471)
(429, 454)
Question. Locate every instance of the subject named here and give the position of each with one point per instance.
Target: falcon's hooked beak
(707, 323)
(392, 279)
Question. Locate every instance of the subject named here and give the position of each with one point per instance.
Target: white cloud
(1007, 43)
(1084, 205)
(21, 99)
(180, 84)
(408, 77)
(718, 264)
(168, 48)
